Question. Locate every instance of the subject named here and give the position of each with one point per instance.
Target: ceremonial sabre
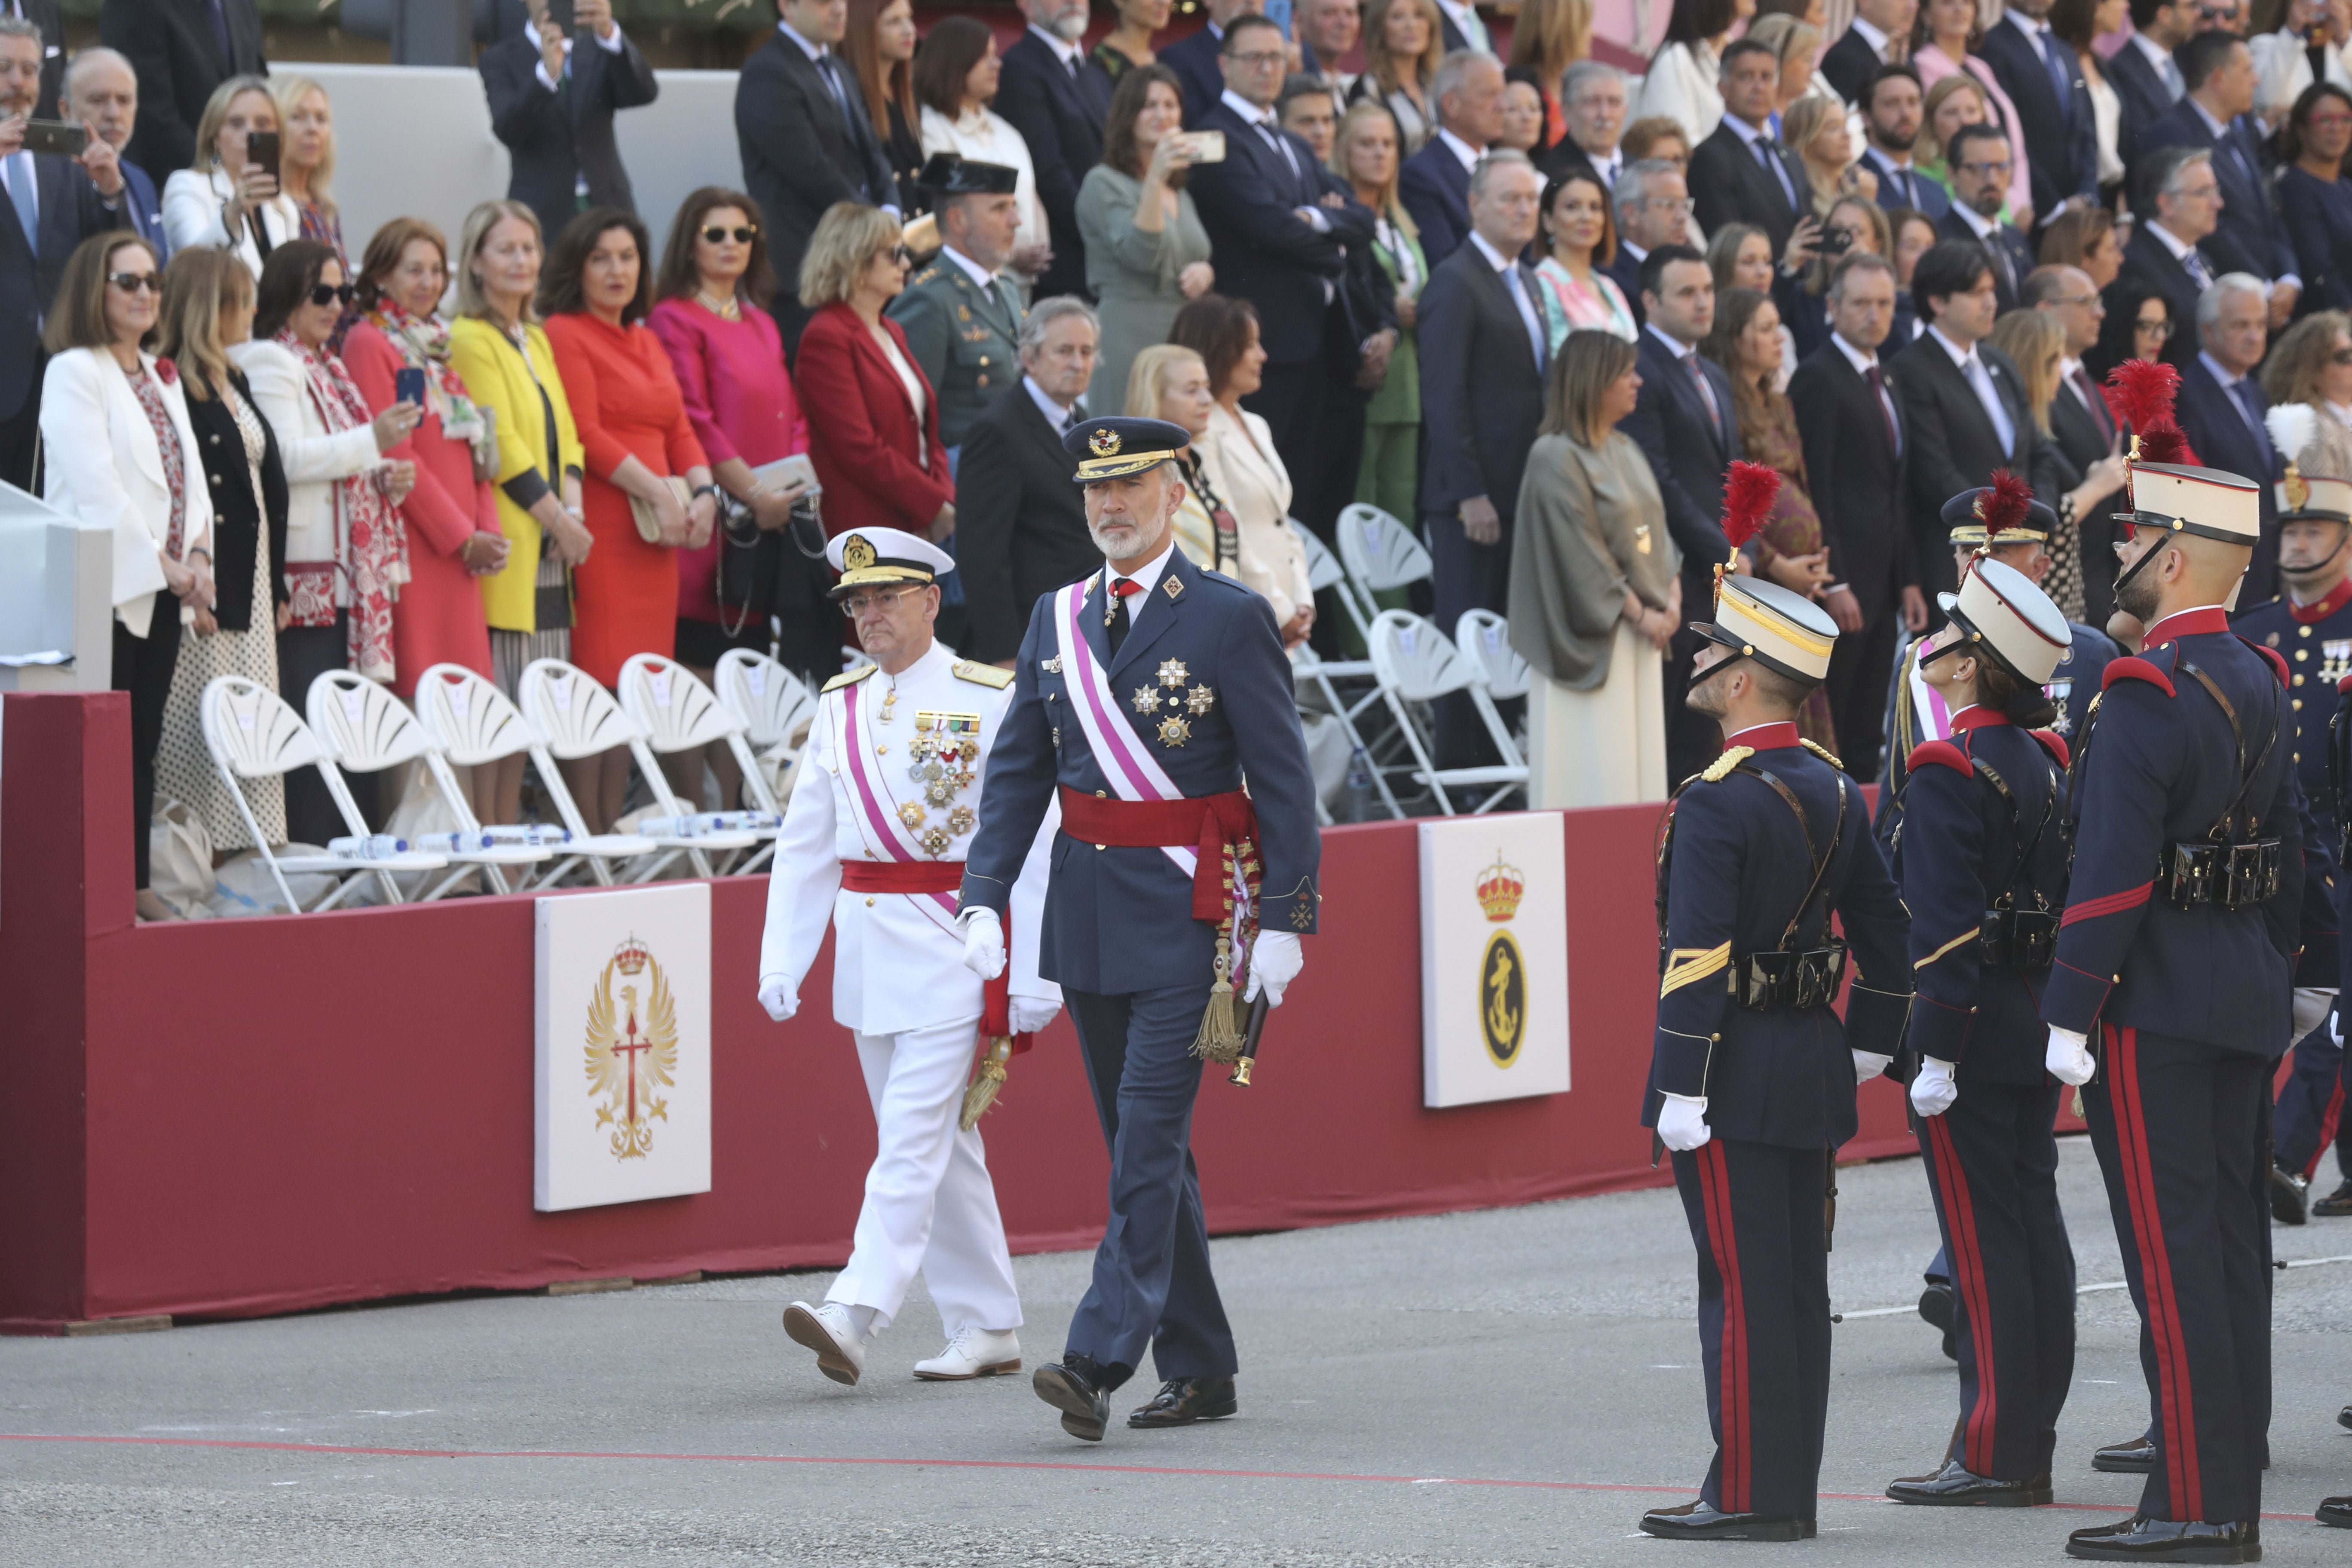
(1250, 1034)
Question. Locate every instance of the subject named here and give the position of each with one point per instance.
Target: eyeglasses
(899, 254)
(1988, 171)
(328, 293)
(1683, 209)
(1260, 61)
(2156, 330)
(883, 599)
(2073, 298)
(131, 282)
(718, 235)
(2341, 356)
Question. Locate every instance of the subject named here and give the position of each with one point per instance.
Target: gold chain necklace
(727, 309)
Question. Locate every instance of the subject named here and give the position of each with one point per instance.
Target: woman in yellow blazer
(508, 367)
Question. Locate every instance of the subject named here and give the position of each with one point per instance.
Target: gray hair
(1633, 184)
(17, 27)
(85, 61)
(2209, 303)
(1045, 313)
(1453, 71)
(1500, 158)
(2166, 168)
(1584, 71)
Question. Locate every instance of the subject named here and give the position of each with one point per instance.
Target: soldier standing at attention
(873, 845)
(2177, 946)
(1979, 850)
(1752, 1077)
(963, 320)
(1145, 696)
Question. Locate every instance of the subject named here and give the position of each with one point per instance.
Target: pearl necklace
(727, 309)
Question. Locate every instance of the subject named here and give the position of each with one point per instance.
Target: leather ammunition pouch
(1788, 982)
(2234, 876)
(2019, 938)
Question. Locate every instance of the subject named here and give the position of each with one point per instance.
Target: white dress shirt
(1972, 366)
(1057, 413)
(1460, 148)
(1873, 37)
(1146, 576)
(2167, 69)
(2193, 260)
(1689, 356)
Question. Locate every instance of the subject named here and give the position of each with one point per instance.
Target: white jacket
(1249, 477)
(1682, 83)
(192, 217)
(103, 464)
(315, 456)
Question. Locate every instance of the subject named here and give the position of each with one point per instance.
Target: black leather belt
(1785, 981)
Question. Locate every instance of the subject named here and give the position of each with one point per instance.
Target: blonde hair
(2035, 340)
(1147, 379)
(1786, 37)
(2299, 357)
(1806, 118)
(471, 300)
(288, 92)
(208, 127)
(1928, 148)
(847, 240)
(200, 282)
(1552, 35)
(1381, 66)
(1391, 205)
(1588, 362)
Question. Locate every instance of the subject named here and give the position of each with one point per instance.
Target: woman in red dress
(452, 515)
(595, 293)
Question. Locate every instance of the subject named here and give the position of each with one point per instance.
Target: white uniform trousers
(929, 1204)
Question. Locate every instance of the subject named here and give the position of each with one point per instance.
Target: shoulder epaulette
(927, 274)
(1823, 753)
(2277, 660)
(2131, 667)
(982, 674)
(1942, 752)
(850, 677)
(2055, 745)
(1720, 769)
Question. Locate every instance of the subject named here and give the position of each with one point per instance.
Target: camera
(1837, 241)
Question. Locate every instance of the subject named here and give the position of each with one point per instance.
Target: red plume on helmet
(2144, 392)
(2007, 504)
(1748, 495)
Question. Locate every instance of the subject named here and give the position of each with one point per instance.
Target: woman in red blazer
(872, 418)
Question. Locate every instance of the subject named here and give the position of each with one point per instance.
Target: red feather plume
(2008, 504)
(1748, 494)
(2145, 390)
(2164, 444)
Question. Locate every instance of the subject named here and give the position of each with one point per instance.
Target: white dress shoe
(840, 1351)
(973, 1353)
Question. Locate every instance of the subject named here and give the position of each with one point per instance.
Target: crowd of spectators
(1525, 304)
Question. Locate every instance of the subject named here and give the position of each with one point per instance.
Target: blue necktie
(16, 174)
(2061, 74)
(2243, 393)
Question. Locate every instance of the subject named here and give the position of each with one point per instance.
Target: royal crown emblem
(632, 1050)
(1104, 443)
(856, 553)
(631, 957)
(1500, 889)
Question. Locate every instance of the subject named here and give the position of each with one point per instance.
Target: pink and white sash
(869, 787)
(1133, 773)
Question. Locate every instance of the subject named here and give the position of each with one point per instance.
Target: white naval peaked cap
(868, 555)
(2001, 611)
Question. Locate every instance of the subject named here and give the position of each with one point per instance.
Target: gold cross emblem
(1174, 732)
(1146, 700)
(1172, 672)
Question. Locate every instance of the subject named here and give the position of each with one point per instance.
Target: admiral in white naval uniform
(873, 844)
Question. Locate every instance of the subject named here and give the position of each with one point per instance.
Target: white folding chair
(1380, 554)
(252, 734)
(1418, 664)
(1484, 639)
(1324, 570)
(773, 710)
(570, 717)
(673, 712)
(473, 725)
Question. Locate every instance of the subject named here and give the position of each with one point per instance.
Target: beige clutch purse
(648, 524)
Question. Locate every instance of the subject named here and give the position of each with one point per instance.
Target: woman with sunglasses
(121, 453)
(2311, 364)
(2314, 195)
(874, 419)
(346, 552)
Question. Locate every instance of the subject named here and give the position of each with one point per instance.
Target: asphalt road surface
(1512, 1387)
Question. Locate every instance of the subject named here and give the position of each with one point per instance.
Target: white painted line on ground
(2079, 1291)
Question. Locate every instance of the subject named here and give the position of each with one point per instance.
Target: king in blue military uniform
(1145, 696)
(1752, 1076)
(2176, 948)
(1979, 850)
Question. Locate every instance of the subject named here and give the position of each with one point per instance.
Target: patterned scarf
(374, 542)
(424, 343)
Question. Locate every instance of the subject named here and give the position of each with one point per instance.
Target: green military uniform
(965, 338)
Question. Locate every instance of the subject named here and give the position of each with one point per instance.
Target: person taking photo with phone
(229, 197)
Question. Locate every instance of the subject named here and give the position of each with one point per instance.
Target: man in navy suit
(1194, 59)
(1279, 227)
(1880, 35)
(1891, 114)
(1461, 28)
(2251, 237)
(1057, 98)
(1145, 696)
(1742, 174)
(1434, 182)
(1979, 158)
(102, 92)
(1327, 32)
(2221, 407)
(1654, 207)
(2144, 73)
(2044, 78)
(2180, 203)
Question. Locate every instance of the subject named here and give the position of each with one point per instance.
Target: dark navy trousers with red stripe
(1993, 1164)
(2179, 1129)
(2311, 1107)
(1756, 1212)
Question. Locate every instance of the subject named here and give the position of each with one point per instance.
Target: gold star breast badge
(1199, 700)
(911, 813)
(1172, 672)
(1146, 700)
(1174, 732)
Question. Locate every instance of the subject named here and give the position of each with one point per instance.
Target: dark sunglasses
(2342, 357)
(327, 293)
(718, 235)
(131, 282)
(902, 256)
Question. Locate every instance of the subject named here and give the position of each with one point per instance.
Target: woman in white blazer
(119, 452)
(226, 201)
(1242, 467)
(1682, 79)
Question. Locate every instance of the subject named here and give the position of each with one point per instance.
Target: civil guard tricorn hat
(1755, 618)
(2001, 613)
(867, 556)
(953, 175)
(1113, 448)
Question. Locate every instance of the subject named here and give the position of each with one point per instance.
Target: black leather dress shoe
(2344, 1416)
(1080, 1390)
(1939, 1307)
(1184, 1400)
(1955, 1486)
(2289, 1196)
(2137, 1458)
(1699, 1521)
(2336, 1510)
(2336, 1204)
(2137, 1540)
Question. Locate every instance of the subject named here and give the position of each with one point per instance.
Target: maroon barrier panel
(237, 1116)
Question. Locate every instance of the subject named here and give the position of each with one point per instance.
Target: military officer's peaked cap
(865, 556)
(1989, 517)
(1999, 612)
(1780, 630)
(952, 174)
(2205, 502)
(1111, 449)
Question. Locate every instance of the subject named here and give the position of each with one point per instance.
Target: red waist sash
(901, 876)
(1206, 823)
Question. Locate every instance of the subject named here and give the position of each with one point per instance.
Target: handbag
(751, 559)
(648, 524)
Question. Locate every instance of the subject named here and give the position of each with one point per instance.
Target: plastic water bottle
(375, 846)
(1360, 787)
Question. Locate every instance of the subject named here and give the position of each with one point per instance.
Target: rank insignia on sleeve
(1199, 700)
(1172, 672)
(1174, 732)
(1146, 700)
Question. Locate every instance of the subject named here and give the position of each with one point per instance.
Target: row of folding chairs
(761, 711)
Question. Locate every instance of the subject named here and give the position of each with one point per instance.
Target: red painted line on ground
(353, 1450)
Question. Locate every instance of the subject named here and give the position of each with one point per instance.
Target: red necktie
(1886, 416)
(1122, 589)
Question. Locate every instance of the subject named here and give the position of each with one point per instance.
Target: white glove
(780, 997)
(1032, 1014)
(1868, 1065)
(1682, 1122)
(2069, 1058)
(2312, 1006)
(983, 943)
(1274, 963)
(1932, 1091)
(2335, 1025)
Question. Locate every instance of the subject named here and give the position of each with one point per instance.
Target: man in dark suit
(2143, 72)
(181, 51)
(1593, 99)
(1964, 406)
(1979, 159)
(1461, 28)
(1483, 349)
(2044, 78)
(1892, 113)
(1327, 31)
(2250, 236)
(552, 98)
(1056, 97)
(805, 140)
(46, 15)
(1434, 182)
(1020, 524)
(2221, 405)
(1849, 417)
(1279, 224)
(1880, 37)
(1653, 205)
(102, 92)
(1194, 59)
(1742, 174)
(2180, 203)
(2080, 421)
(1683, 422)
